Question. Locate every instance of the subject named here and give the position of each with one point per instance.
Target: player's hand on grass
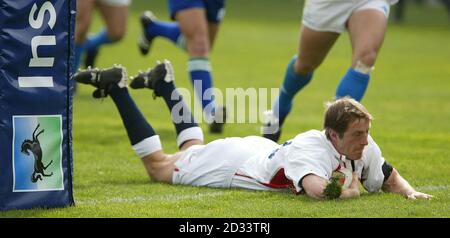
(418, 195)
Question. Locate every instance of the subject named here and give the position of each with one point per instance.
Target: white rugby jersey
(311, 153)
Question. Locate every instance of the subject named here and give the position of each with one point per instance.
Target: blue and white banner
(36, 42)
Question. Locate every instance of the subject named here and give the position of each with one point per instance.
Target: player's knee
(116, 34)
(367, 58)
(198, 46)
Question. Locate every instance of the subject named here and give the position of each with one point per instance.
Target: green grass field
(409, 96)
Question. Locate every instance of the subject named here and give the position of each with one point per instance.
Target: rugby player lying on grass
(304, 164)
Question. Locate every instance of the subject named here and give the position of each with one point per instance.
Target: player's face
(354, 139)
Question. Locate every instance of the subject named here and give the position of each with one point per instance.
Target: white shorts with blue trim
(332, 15)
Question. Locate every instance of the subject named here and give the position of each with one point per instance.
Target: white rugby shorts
(216, 163)
(332, 15)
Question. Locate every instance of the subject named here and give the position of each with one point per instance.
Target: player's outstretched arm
(397, 184)
(319, 188)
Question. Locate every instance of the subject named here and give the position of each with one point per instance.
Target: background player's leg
(194, 26)
(366, 29)
(314, 47)
(152, 27)
(83, 21)
(115, 18)
(213, 29)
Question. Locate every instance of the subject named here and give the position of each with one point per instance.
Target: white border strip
(36, 82)
(60, 155)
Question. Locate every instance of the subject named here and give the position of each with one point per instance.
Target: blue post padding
(36, 45)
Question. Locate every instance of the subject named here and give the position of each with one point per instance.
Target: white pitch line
(146, 199)
(202, 195)
(433, 187)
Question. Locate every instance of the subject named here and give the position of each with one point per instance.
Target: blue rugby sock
(200, 71)
(95, 41)
(353, 84)
(291, 85)
(168, 30)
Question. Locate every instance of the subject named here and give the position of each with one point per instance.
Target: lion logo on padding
(35, 148)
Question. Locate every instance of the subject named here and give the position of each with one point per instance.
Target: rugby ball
(344, 177)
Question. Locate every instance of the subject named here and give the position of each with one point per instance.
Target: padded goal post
(36, 45)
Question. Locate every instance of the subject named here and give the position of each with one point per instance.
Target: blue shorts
(215, 9)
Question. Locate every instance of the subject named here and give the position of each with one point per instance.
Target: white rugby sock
(147, 146)
(191, 133)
